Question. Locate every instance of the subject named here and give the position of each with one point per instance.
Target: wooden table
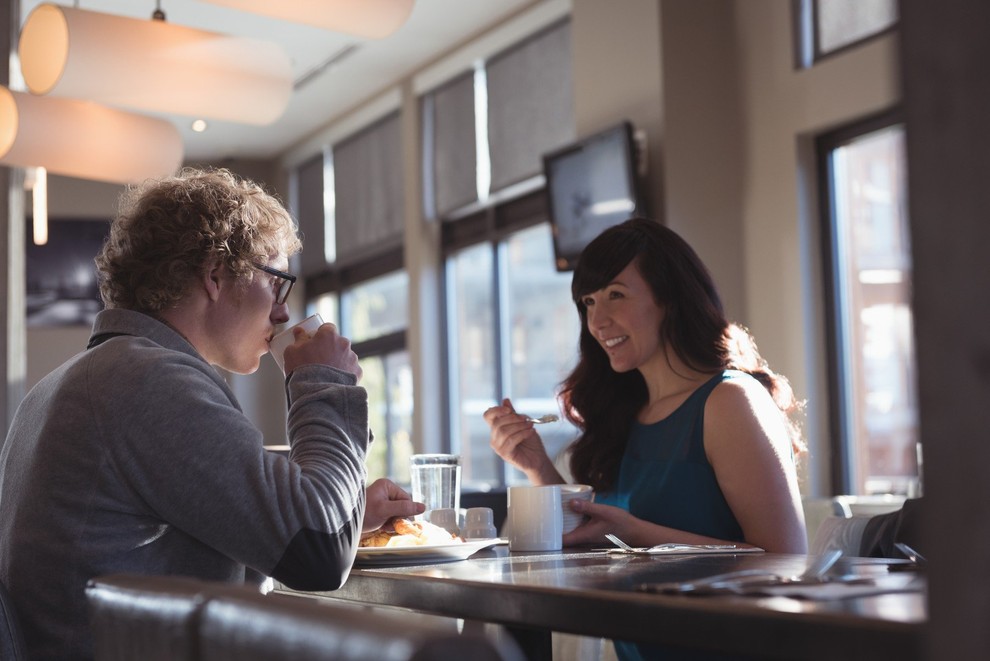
(594, 593)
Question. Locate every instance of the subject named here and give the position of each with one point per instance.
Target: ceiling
(334, 72)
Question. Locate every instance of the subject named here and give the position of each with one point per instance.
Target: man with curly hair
(134, 456)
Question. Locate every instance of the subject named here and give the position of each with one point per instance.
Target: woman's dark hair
(604, 403)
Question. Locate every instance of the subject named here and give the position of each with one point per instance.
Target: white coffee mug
(535, 518)
(568, 493)
(278, 344)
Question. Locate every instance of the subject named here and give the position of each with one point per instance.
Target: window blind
(368, 188)
(530, 104)
(454, 145)
(311, 214)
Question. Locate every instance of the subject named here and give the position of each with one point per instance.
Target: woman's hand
(628, 528)
(386, 501)
(514, 439)
(601, 519)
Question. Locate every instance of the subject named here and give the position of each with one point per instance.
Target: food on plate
(410, 533)
(377, 538)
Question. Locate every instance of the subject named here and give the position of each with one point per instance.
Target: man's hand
(325, 347)
(386, 501)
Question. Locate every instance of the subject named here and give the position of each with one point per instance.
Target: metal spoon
(549, 417)
(670, 546)
(618, 542)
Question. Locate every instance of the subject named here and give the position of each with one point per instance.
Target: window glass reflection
(543, 332)
(874, 296)
(844, 22)
(376, 307)
(513, 333)
(471, 348)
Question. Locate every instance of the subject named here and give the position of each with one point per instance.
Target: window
(510, 325)
(871, 325)
(825, 27)
(351, 197)
(374, 316)
(513, 333)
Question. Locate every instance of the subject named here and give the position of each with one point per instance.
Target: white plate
(383, 556)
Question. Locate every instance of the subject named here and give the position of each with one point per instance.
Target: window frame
(491, 222)
(839, 404)
(337, 281)
(807, 49)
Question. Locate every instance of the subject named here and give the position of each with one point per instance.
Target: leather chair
(153, 618)
(252, 627)
(165, 617)
(12, 646)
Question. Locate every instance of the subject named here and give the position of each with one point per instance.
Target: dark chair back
(884, 531)
(163, 617)
(153, 618)
(12, 646)
(253, 627)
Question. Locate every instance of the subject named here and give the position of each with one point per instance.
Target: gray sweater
(134, 456)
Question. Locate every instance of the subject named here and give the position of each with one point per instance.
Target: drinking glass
(436, 480)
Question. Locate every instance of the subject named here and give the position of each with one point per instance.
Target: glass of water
(436, 480)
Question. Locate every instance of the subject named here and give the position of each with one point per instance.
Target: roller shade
(530, 104)
(454, 145)
(368, 187)
(311, 214)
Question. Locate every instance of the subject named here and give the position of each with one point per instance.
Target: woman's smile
(614, 341)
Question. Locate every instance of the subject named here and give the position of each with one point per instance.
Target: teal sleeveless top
(665, 477)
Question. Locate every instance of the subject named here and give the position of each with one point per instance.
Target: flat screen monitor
(591, 185)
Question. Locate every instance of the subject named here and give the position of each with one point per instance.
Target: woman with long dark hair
(686, 434)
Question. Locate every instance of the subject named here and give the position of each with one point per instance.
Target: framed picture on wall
(62, 288)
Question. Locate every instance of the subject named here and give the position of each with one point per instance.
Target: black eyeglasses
(284, 285)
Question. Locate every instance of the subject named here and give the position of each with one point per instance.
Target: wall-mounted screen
(591, 185)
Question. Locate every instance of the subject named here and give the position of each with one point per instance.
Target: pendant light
(153, 65)
(84, 139)
(36, 181)
(372, 19)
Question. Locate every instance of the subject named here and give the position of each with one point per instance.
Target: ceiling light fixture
(199, 125)
(372, 19)
(85, 140)
(153, 65)
(36, 181)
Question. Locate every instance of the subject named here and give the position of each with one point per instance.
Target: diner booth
(446, 258)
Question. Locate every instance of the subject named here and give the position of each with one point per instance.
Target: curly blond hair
(168, 231)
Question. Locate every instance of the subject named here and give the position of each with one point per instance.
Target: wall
(947, 102)
(782, 109)
(703, 140)
(47, 348)
(616, 67)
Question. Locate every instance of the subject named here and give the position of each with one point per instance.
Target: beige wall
(782, 110)
(729, 122)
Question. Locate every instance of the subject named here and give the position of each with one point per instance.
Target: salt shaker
(446, 518)
(478, 523)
